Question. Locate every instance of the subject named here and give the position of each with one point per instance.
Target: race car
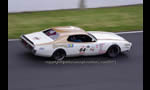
(71, 41)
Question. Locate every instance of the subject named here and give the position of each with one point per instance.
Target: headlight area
(128, 45)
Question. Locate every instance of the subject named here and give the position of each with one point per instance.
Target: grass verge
(115, 19)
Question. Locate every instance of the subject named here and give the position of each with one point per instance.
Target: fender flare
(58, 50)
(113, 45)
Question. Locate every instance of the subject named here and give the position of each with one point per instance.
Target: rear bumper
(37, 51)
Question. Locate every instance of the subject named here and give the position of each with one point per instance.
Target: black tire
(59, 55)
(113, 51)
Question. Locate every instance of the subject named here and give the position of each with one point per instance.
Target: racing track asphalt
(28, 72)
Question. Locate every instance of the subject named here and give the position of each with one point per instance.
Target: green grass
(114, 19)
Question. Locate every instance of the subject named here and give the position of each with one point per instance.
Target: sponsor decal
(101, 48)
(41, 48)
(91, 49)
(88, 46)
(63, 45)
(96, 46)
(70, 45)
(59, 45)
(82, 50)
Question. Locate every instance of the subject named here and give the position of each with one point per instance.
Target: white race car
(70, 41)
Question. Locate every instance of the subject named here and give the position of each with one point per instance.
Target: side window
(79, 38)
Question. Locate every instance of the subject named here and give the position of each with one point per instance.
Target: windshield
(51, 33)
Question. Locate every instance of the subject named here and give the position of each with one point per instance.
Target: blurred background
(27, 16)
(43, 5)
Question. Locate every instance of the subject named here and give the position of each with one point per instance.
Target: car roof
(69, 30)
(64, 32)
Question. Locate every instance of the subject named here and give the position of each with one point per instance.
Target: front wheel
(113, 51)
(59, 55)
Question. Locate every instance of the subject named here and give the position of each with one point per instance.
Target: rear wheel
(59, 55)
(113, 51)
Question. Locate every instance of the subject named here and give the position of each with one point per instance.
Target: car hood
(105, 35)
(38, 38)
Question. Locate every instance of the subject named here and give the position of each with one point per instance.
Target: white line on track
(13, 40)
(131, 32)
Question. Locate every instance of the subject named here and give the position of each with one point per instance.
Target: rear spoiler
(27, 40)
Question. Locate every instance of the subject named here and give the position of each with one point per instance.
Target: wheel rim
(113, 52)
(59, 56)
